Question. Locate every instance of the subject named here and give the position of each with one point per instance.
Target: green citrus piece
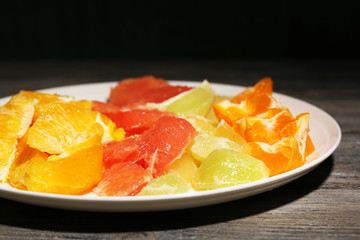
(166, 184)
(225, 167)
(197, 101)
(204, 144)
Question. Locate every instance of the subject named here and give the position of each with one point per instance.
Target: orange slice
(64, 124)
(76, 173)
(15, 118)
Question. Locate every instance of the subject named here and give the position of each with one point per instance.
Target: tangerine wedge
(279, 157)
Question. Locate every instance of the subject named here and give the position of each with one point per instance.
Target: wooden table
(324, 204)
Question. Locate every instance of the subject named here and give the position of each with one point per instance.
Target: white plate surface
(324, 131)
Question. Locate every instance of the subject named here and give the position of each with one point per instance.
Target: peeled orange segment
(65, 124)
(15, 118)
(22, 108)
(299, 128)
(44, 99)
(265, 127)
(197, 101)
(123, 179)
(279, 157)
(24, 156)
(224, 168)
(204, 144)
(263, 87)
(310, 148)
(74, 174)
(166, 184)
(184, 167)
(230, 112)
(252, 101)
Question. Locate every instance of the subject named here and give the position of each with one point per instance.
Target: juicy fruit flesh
(271, 133)
(15, 118)
(197, 101)
(166, 184)
(57, 145)
(75, 174)
(225, 167)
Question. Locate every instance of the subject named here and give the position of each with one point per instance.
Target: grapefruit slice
(133, 121)
(139, 91)
(156, 148)
(123, 179)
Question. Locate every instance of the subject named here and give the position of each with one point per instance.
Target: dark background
(179, 30)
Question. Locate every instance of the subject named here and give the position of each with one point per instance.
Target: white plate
(324, 131)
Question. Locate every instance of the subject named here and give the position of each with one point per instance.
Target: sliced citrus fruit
(15, 119)
(197, 101)
(299, 128)
(280, 157)
(201, 124)
(163, 143)
(129, 90)
(123, 179)
(76, 173)
(263, 87)
(166, 184)
(156, 148)
(184, 167)
(252, 101)
(64, 124)
(266, 126)
(139, 91)
(204, 144)
(211, 115)
(23, 156)
(44, 99)
(225, 167)
(225, 130)
(133, 121)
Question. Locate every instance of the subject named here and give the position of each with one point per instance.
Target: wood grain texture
(324, 204)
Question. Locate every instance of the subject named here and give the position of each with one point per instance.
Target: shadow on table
(41, 218)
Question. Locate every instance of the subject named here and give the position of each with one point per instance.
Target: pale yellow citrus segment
(202, 124)
(225, 130)
(185, 167)
(75, 174)
(225, 167)
(15, 119)
(166, 184)
(204, 144)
